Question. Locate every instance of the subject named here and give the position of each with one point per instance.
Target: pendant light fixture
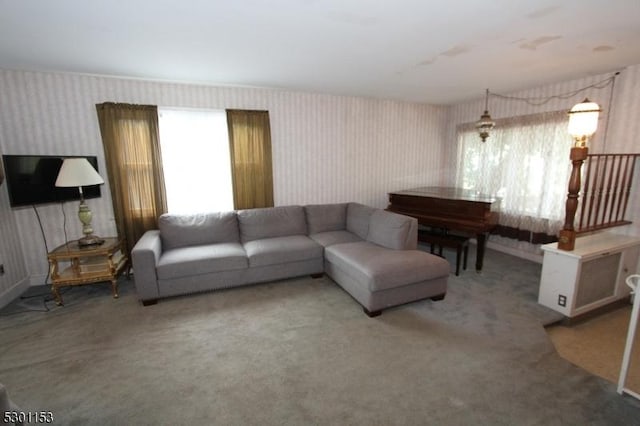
(485, 123)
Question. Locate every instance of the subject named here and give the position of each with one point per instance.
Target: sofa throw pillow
(270, 222)
(182, 230)
(326, 217)
(358, 216)
(389, 229)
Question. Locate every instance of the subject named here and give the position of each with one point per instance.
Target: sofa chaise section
(379, 278)
(374, 256)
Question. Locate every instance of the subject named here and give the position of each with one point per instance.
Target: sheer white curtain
(525, 161)
(195, 156)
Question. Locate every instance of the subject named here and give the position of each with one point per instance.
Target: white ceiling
(438, 52)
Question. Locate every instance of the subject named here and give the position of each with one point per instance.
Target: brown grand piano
(450, 208)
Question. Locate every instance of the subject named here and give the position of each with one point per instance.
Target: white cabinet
(591, 276)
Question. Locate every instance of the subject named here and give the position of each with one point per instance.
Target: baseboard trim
(578, 319)
(14, 292)
(537, 258)
(40, 279)
(513, 251)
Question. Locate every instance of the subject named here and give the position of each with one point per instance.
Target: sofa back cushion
(270, 222)
(183, 230)
(326, 217)
(392, 230)
(358, 216)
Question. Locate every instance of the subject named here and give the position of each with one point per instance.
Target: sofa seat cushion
(326, 239)
(274, 251)
(203, 259)
(379, 268)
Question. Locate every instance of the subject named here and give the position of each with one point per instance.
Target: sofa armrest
(144, 257)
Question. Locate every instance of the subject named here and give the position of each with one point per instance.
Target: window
(525, 161)
(196, 162)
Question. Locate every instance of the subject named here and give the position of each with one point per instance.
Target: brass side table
(86, 265)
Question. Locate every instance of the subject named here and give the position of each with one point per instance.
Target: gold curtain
(250, 148)
(134, 165)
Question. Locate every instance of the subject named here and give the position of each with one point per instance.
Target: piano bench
(444, 239)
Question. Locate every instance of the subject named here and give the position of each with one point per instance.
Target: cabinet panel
(591, 276)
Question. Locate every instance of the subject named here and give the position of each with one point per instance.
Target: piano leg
(481, 238)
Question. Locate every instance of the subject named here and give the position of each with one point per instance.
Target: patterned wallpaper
(15, 278)
(325, 148)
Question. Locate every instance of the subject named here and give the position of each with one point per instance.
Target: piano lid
(450, 193)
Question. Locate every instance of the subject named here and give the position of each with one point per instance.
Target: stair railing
(601, 198)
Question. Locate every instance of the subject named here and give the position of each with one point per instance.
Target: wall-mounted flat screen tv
(31, 180)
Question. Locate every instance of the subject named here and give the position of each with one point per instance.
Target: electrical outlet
(562, 300)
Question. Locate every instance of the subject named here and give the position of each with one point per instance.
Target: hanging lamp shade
(486, 123)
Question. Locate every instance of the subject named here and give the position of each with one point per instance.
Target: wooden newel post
(567, 237)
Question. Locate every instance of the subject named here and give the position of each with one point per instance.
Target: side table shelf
(71, 264)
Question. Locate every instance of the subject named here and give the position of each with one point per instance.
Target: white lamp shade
(78, 172)
(583, 119)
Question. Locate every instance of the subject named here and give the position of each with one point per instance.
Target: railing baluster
(617, 188)
(607, 195)
(601, 180)
(592, 201)
(628, 188)
(606, 191)
(585, 203)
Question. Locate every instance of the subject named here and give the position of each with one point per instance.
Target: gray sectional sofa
(371, 253)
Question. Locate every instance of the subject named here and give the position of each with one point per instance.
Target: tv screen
(31, 180)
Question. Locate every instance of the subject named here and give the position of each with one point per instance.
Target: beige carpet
(302, 352)
(597, 345)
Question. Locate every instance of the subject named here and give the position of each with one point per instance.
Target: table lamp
(79, 172)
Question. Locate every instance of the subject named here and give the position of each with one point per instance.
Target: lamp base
(90, 240)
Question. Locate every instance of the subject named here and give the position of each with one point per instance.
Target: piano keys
(452, 209)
